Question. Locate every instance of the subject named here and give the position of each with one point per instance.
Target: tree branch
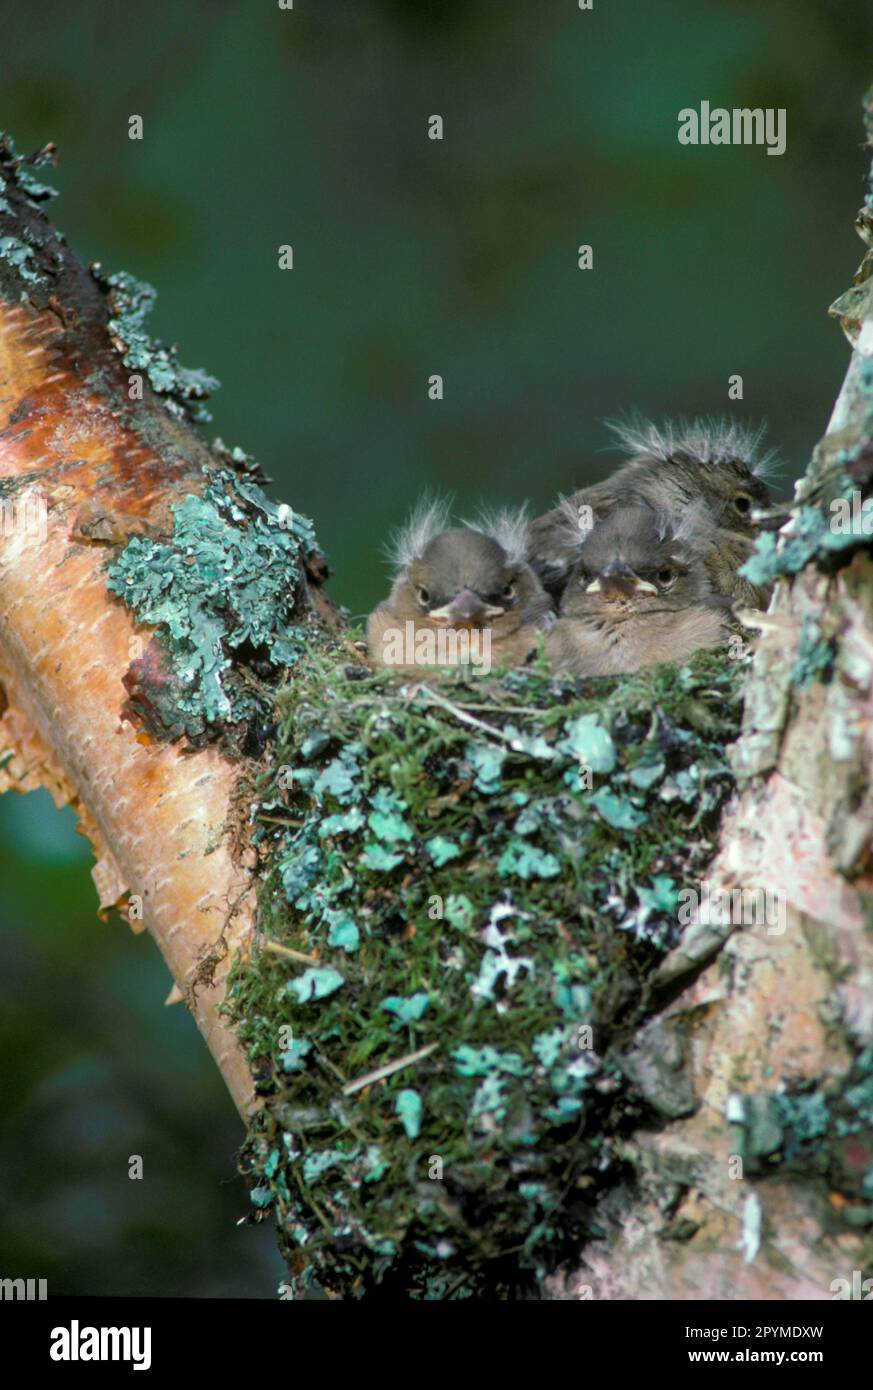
(97, 445)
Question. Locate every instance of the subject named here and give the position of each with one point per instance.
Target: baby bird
(461, 594)
(639, 594)
(716, 462)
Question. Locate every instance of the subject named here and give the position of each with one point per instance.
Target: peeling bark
(82, 465)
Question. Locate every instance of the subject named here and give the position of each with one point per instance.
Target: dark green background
(265, 127)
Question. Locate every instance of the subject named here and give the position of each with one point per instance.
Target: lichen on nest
(466, 881)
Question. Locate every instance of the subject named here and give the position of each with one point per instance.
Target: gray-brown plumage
(459, 590)
(717, 463)
(640, 593)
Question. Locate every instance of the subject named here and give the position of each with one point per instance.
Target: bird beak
(465, 610)
(771, 519)
(618, 581)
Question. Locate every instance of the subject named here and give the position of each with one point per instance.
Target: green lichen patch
(224, 592)
(812, 538)
(182, 388)
(816, 654)
(20, 256)
(821, 1132)
(19, 248)
(467, 884)
(17, 169)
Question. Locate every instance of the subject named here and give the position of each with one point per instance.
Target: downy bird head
(717, 462)
(638, 561)
(474, 575)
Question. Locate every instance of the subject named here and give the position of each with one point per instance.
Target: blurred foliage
(265, 127)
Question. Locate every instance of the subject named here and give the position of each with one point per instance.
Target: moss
(223, 590)
(474, 879)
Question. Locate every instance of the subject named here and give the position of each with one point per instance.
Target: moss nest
(467, 885)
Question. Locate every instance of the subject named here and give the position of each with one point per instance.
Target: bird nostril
(466, 606)
(618, 582)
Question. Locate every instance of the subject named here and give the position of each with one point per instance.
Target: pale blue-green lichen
(182, 388)
(17, 169)
(815, 657)
(18, 247)
(822, 1131)
(221, 589)
(812, 537)
(20, 256)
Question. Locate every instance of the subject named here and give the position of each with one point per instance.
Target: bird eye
(742, 503)
(509, 592)
(665, 578)
(423, 595)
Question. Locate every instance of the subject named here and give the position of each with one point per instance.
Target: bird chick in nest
(716, 463)
(461, 594)
(640, 593)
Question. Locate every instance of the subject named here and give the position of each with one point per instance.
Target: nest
(468, 884)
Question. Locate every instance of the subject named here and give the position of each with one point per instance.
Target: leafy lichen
(815, 658)
(20, 257)
(481, 876)
(222, 589)
(18, 250)
(18, 169)
(821, 1132)
(182, 388)
(811, 538)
